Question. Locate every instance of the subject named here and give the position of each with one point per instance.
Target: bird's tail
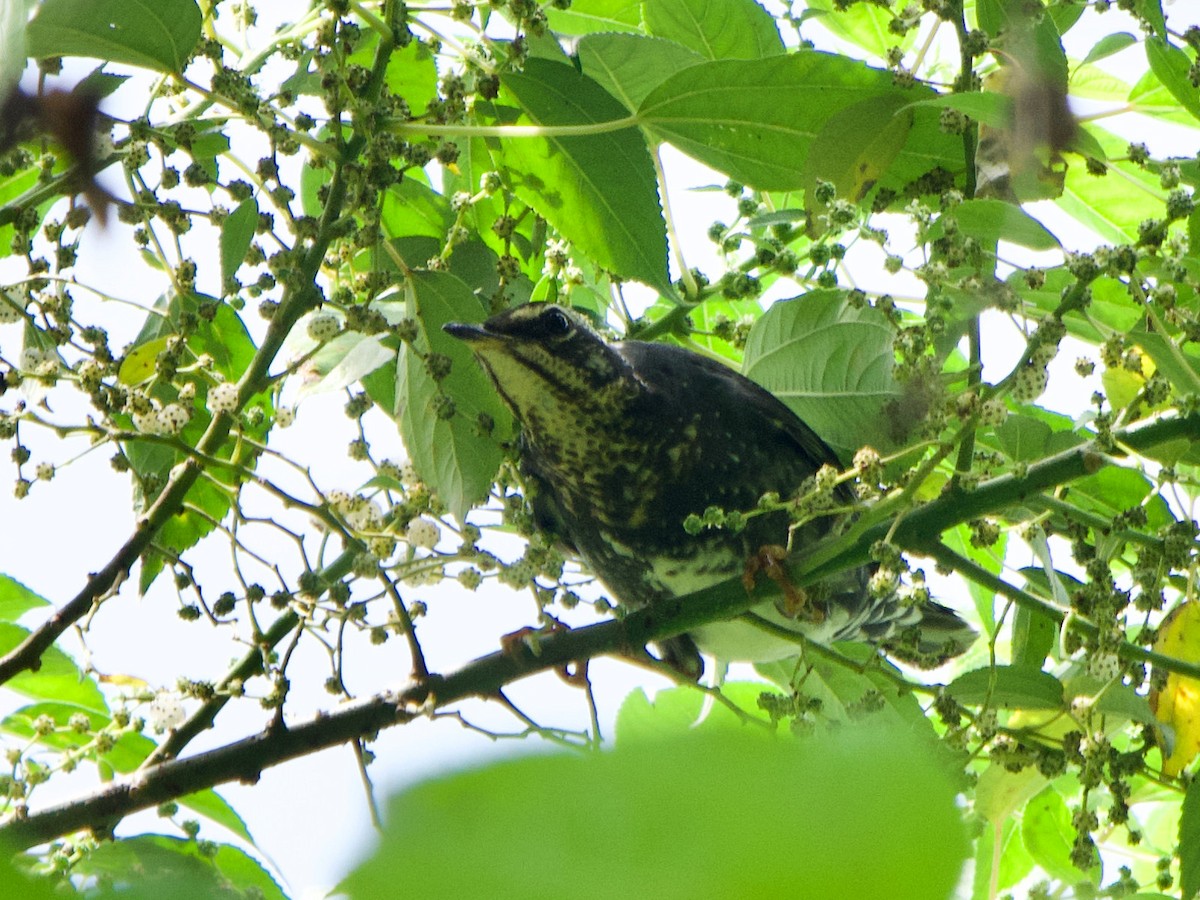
(937, 636)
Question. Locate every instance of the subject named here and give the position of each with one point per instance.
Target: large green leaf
(451, 455)
(1173, 68)
(1007, 687)
(678, 710)
(715, 29)
(1113, 205)
(589, 16)
(57, 678)
(16, 599)
(1189, 840)
(867, 25)
(832, 365)
(855, 148)
(1011, 860)
(237, 231)
(757, 801)
(412, 208)
(757, 119)
(1115, 489)
(153, 34)
(989, 221)
(150, 866)
(599, 190)
(1049, 836)
(630, 66)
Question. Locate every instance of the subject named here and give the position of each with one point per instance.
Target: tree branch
(244, 760)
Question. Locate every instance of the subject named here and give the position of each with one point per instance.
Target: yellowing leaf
(1177, 705)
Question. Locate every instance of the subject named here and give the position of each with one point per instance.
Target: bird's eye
(555, 323)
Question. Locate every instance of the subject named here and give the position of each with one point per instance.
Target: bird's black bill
(464, 331)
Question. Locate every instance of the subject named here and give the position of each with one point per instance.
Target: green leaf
(1108, 45)
(832, 365)
(411, 72)
(751, 794)
(986, 107)
(1014, 860)
(842, 692)
(1007, 687)
(21, 882)
(599, 190)
(1189, 840)
(1115, 489)
(452, 456)
(674, 711)
(855, 147)
(1152, 11)
(741, 116)
(991, 220)
(1172, 67)
(1115, 205)
(958, 539)
(128, 752)
(237, 232)
(1000, 793)
(153, 34)
(347, 359)
(630, 66)
(1048, 835)
(716, 29)
(1111, 305)
(16, 599)
(411, 208)
(216, 808)
(865, 25)
(58, 678)
(151, 866)
(589, 16)
(1180, 364)
(1034, 635)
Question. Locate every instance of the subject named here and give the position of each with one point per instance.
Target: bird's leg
(769, 560)
(573, 673)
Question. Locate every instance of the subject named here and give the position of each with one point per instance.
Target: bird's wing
(654, 363)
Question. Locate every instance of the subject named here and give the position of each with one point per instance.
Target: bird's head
(550, 367)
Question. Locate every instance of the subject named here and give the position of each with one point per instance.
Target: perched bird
(622, 442)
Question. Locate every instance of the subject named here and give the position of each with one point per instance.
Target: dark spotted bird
(622, 442)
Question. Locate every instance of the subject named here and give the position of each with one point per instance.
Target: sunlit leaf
(715, 29)
(598, 189)
(859, 773)
(453, 455)
(16, 599)
(150, 866)
(740, 116)
(588, 16)
(155, 35)
(832, 365)
(630, 66)
(57, 678)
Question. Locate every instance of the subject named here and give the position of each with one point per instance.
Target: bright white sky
(309, 816)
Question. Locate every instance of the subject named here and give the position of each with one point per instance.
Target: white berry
(323, 326)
